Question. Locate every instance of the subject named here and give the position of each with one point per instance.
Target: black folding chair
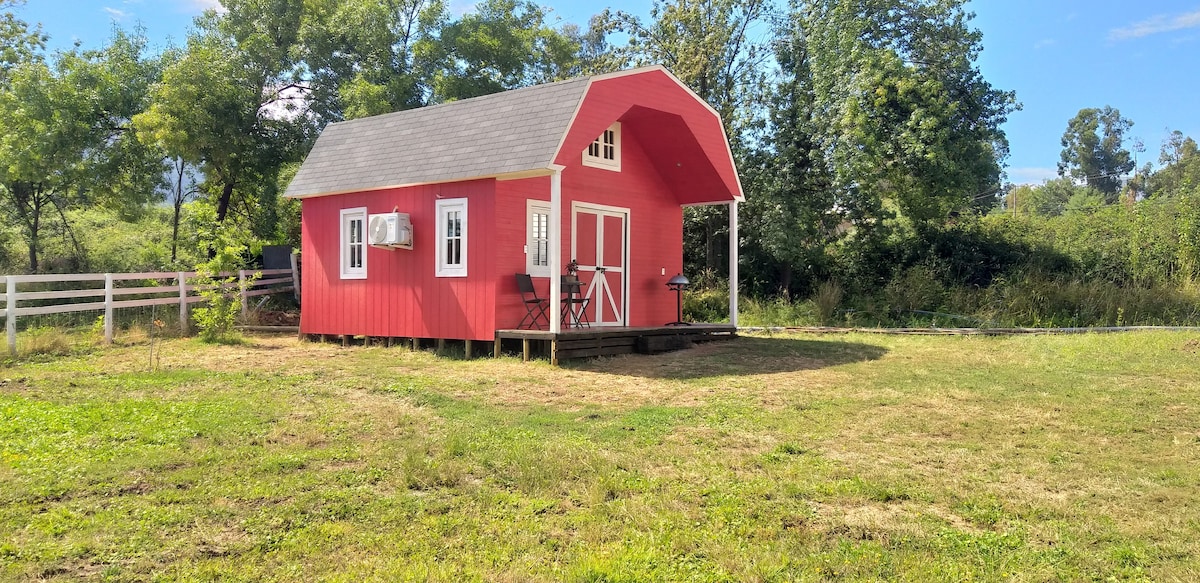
(536, 309)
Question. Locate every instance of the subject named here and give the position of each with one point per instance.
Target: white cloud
(202, 5)
(1031, 175)
(1046, 42)
(116, 14)
(1156, 25)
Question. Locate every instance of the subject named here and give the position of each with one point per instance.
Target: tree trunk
(223, 202)
(175, 228)
(35, 222)
(785, 279)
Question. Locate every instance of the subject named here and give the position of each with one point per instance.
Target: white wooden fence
(178, 293)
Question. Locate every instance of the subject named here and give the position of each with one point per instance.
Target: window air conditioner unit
(390, 230)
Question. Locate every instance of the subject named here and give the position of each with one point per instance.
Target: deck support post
(441, 345)
(496, 347)
(554, 352)
(733, 263)
(556, 258)
(525, 349)
(467, 348)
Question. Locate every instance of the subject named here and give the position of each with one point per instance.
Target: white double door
(600, 245)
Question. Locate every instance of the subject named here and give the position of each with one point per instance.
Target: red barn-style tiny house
(595, 170)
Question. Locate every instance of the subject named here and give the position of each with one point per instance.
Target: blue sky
(1058, 55)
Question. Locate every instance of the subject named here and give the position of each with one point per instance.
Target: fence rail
(251, 283)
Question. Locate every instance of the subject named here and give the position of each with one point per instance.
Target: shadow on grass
(741, 356)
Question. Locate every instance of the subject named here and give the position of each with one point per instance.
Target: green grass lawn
(762, 459)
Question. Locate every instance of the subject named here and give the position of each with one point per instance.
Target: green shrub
(706, 305)
(222, 292)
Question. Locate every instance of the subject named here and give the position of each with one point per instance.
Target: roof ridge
(469, 100)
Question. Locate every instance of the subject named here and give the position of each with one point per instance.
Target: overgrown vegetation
(760, 459)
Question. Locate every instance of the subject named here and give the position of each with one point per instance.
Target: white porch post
(556, 233)
(733, 263)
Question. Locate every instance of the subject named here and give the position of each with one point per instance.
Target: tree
(904, 114)
(503, 44)
(1093, 150)
(182, 187)
(793, 211)
(368, 57)
(230, 102)
(19, 42)
(1180, 171)
(1048, 199)
(65, 137)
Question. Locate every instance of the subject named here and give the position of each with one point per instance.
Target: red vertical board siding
(509, 249)
(401, 296)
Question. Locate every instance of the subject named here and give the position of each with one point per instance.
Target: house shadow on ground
(738, 357)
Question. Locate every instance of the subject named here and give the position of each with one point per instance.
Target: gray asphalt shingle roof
(507, 132)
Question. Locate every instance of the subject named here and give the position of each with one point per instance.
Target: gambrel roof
(513, 134)
(493, 135)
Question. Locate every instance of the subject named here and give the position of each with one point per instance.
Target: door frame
(601, 211)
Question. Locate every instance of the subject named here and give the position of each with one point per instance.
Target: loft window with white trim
(452, 237)
(605, 150)
(537, 238)
(353, 244)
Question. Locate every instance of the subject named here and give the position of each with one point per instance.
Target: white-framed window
(452, 237)
(537, 238)
(605, 150)
(352, 241)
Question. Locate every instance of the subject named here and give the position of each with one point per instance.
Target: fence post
(242, 292)
(296, 276)
(108, 308)
(10, 315)
(183, 303)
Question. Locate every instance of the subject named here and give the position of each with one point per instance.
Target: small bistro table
(573, 308)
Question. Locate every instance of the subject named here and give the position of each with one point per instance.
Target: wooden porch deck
(608, 341)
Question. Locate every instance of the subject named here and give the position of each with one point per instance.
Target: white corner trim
(556, 264)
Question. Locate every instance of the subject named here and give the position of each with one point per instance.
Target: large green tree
(904, 114)
(65, 137)
(502, 44)
(792, 213)
(368, 57)
(231, 104)
(1094, 150)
